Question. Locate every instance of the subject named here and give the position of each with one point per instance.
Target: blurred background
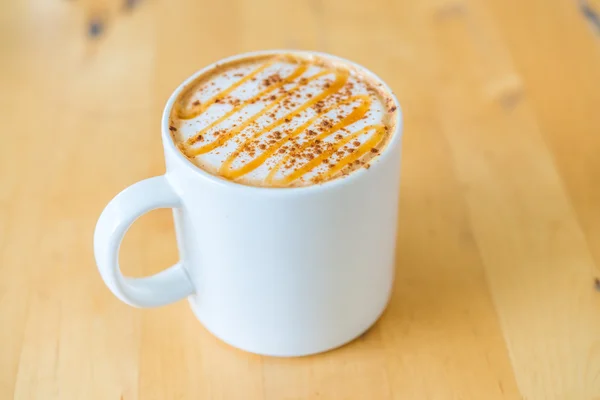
(497, 293)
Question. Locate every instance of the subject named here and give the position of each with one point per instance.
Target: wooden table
(499, 235)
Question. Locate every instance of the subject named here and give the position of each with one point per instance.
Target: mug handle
(162, 288)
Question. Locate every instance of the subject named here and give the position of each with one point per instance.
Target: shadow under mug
(283, 272)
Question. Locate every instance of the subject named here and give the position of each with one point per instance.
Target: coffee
(283, 120)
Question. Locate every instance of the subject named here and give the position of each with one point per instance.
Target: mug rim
(169, 143)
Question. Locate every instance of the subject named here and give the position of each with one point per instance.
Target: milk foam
(282, 121)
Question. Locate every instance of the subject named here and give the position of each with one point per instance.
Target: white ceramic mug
(284, 272)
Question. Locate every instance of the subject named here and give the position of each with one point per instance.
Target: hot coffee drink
(281, 272)
(283, 120)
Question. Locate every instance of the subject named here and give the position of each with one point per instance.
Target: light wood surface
(499, 235)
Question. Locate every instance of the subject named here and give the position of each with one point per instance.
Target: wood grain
(499, 226)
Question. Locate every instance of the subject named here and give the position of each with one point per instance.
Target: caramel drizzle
(373, 141)
(200, 108)
(341, 77)
(221, 140)
(354, 116)
(205, 149)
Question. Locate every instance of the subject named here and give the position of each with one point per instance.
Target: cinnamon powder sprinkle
(331, 109)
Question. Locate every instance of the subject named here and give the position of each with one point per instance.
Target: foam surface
(282, 121)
